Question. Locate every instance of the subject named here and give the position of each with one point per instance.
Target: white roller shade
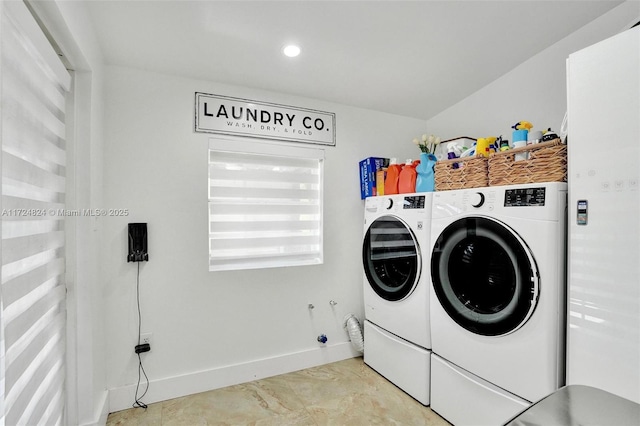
(33, 294)
(265, 205)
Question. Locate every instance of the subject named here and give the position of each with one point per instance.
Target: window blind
(265, 205)
(32, 293)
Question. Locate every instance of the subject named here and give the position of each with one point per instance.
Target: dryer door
(484, 276)
(391, 258)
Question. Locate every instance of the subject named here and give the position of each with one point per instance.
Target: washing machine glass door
(391, 258)
(484, 276)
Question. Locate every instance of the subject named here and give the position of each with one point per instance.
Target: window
(265, 205)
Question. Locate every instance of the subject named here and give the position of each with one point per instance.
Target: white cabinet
(603, 342)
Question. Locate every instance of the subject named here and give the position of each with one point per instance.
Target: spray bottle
(452, 153)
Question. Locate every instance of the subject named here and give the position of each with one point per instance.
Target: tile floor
(343, 393)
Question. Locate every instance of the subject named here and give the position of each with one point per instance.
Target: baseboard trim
(174, 387)
(102, 411)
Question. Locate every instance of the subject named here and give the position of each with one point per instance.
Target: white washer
(396, 290)
(497, 300)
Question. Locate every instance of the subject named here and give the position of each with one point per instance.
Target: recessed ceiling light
(291, 50)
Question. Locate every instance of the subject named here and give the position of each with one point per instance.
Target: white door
(603, 345)
(484, 276)
(33, 87)
(391, 258)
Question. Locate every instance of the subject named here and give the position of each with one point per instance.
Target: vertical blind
(265, 205)
(33, 87)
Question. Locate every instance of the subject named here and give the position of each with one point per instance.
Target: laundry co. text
(234, 116)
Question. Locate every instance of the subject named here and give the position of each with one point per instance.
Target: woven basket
(471, 173)
(547, 162)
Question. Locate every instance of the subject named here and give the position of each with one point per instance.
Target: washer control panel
(478, 199)
(539, 201)
(396, 203)
(520, 197)
(413, 202)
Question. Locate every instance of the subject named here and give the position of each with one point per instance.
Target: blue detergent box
(368, 169)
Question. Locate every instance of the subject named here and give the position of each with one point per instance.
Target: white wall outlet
(146, 338)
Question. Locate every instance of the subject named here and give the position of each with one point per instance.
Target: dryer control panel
(523, 197)
(413, 202)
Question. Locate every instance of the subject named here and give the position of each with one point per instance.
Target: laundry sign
(242, 117)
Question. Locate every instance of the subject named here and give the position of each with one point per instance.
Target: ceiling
(411, 58)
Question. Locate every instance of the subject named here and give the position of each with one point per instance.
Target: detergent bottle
(483, 147)
(425, 178)
(393, 174)
(519, 138)
(407, 178)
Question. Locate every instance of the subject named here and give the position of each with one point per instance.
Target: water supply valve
(322, 338)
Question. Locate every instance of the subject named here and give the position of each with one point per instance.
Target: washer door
(391, 258)
(484, 276)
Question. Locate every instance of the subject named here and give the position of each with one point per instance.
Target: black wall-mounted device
(144, 347)
(137, 243)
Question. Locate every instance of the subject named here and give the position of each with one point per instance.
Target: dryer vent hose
(352, 325)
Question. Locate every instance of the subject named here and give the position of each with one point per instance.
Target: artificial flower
(428, 143)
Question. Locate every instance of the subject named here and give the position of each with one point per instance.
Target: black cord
(138, 403)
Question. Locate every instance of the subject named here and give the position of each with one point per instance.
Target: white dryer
(497, 300)
(395, 257)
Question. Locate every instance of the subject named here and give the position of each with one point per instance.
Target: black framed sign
(243, 117)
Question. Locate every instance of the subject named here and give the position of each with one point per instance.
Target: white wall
(155, 165)
(534, 91)
(215, 329)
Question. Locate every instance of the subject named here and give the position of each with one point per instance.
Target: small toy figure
(549, 135)
(522, 125)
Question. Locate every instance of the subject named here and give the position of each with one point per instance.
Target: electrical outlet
(146, 338)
